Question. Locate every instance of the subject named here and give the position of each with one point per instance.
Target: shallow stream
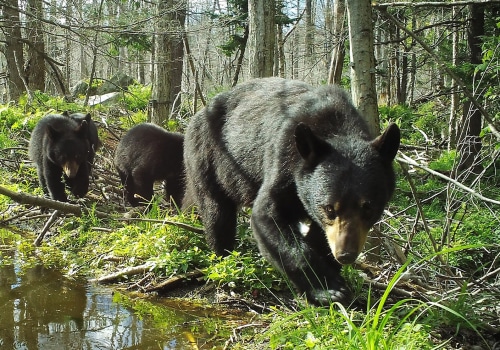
(41, 309)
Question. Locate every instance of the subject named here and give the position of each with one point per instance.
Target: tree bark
(359, 14)
(35, 67)
(261, 37)
(169, 55)
(469, 142)
(338, 54)
(13, 49)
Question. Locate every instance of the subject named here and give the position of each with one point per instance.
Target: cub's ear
(310, 147)
(88, 117)
(65, 113)
(83, 127)
(387, 144)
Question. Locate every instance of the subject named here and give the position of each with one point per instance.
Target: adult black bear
(299, 155)
(60, 148)
(148, 153)
(93, 135)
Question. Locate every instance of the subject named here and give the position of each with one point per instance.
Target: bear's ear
(52, 133)
(88, 117)
(65, 113)
(83, 127)
(387, 144)
(310, 147)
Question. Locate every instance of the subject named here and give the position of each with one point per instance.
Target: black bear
(60, 148)
(303, 158)
(93, 135)
(148, 153)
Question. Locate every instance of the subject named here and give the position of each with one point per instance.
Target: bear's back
(248, 133)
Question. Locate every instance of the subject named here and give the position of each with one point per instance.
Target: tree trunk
(169, 55)
(261, 37)
(469, 142)
(13, 49)
(35, 67)
(338, 54)
(364, 96)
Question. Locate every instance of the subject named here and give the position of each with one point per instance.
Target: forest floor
(105, 200)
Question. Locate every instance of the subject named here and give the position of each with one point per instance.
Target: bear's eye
(366, 207)
(330, 211)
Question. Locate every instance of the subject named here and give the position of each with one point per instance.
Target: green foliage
(417, 127)
(445, 161)
(243, 272)
(137, 97)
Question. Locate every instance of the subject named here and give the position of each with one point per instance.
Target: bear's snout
(70, 169)
(346, 238)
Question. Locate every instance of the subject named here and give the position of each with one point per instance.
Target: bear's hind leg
(219, 219)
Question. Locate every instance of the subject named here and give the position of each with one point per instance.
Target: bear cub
(93, 136)
(61, 150)
(148, 153)
(297, 155)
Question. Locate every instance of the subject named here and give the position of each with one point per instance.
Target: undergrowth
(440, 244)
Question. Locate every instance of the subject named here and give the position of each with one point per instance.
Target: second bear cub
(148, 153)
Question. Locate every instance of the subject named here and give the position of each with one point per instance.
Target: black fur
(60, 148)
(148, 153)
(296, 154)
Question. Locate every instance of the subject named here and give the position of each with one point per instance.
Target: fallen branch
(78, 210)
(46, 227)
(129, 271)
(174, 281)
(167, 222)
(23, 198)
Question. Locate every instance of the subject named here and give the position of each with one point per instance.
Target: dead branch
(45, 228)
(174, 281)
(23, 198)
(426, 4)
(129, 271)
(167, 222)
(407, 160)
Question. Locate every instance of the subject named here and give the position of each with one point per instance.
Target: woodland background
(431, 67)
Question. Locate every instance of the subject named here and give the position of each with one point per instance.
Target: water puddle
(41, 309)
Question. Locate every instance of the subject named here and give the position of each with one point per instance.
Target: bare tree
(338, 53)
(261, 37)
(363, 89)
(13, 49)
(169, 57)
(35, 64)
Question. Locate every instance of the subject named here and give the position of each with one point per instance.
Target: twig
(49, 223)
(129, 271)
(167, 222)
(174, 281)
(23, 198)
(408, 160)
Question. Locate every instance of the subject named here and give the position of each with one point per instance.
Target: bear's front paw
(324, 297)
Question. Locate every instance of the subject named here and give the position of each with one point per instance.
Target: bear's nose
(346, 258)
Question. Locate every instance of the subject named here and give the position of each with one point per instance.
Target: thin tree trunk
(169, 54)
(13, 49)
(338, 54)
(261, 37)
(469, 144)
(35, 67)
(363, 62)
